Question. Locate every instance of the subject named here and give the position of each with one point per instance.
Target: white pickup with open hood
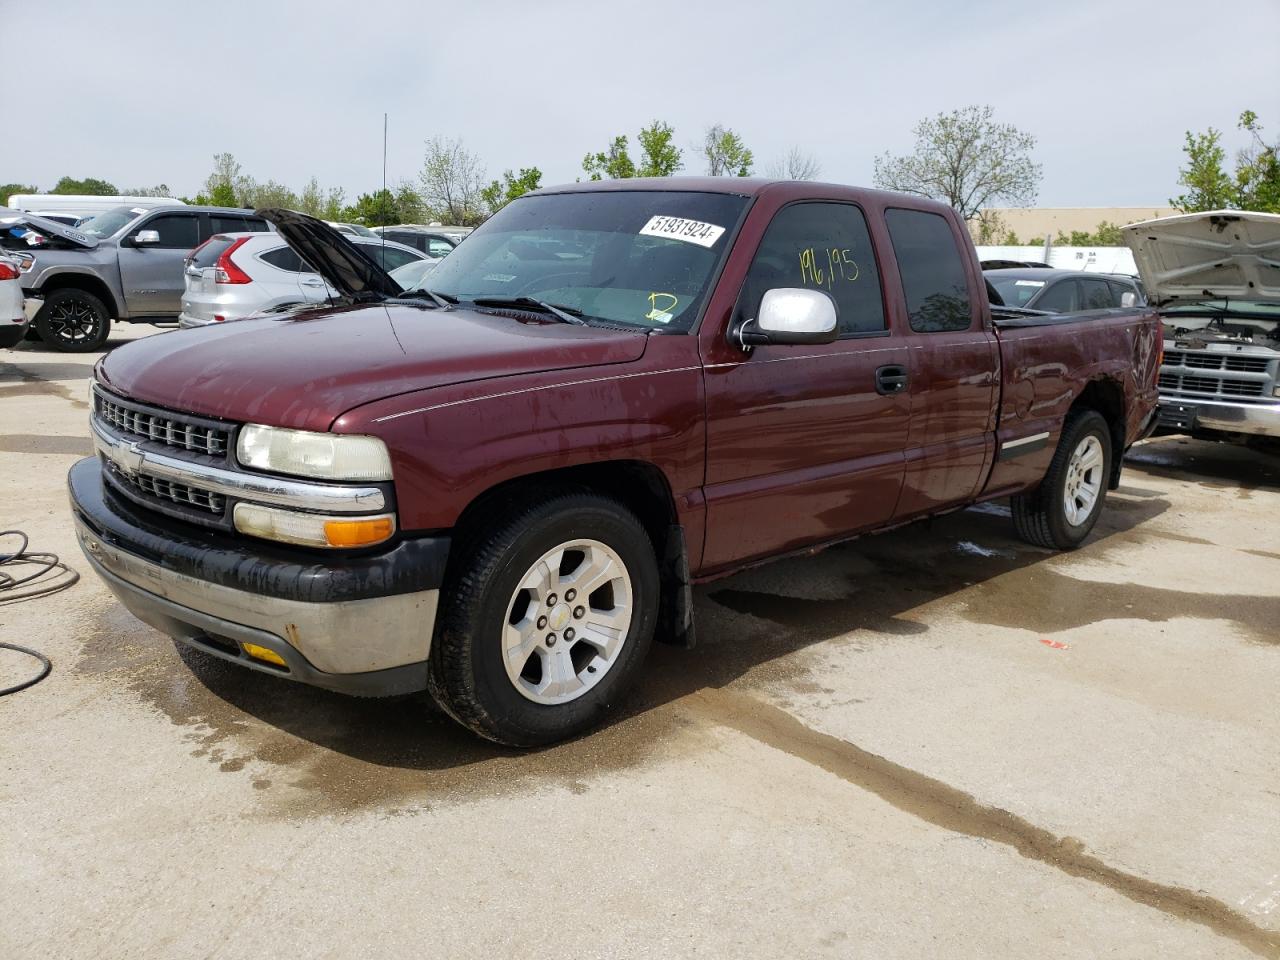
(1231, 254)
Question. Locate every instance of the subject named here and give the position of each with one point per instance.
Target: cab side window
(820, 246)
(933, 276)
(177, 230)
(1060, 298)
(1096, 295)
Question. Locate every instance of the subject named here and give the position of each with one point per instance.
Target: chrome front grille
(179, 493)
(1217, 374)
(1216, 361)
(162, 426)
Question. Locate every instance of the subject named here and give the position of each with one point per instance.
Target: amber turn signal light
(264, 654)
(357, 533)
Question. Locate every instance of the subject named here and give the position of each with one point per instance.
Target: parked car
(429, 241)
(502, 490)
(124, 264)
(236, 275)
(16, 310)
(351, 229)
(1215, 280)
(1062, 291)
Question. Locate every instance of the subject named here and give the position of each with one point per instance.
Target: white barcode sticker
(678, 228)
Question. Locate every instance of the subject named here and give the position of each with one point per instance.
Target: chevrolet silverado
(502, 488)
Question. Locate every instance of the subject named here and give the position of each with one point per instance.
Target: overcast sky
(141, 92)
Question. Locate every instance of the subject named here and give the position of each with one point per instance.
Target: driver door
(806, 443)
(153, 274)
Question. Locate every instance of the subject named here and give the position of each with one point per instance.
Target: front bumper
(1191, 416)
(359, 625)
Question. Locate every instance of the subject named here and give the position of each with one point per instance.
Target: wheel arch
(1106, 396)
(638, 485)
(85, 282)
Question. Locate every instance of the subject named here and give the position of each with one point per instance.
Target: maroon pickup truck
(502, 488)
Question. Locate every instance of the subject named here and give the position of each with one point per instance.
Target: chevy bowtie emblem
(127, 457)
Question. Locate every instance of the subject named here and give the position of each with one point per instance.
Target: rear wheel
(546, 621)
(72, 321)
(1063, 509)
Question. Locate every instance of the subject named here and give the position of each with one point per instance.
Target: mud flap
(675, 615)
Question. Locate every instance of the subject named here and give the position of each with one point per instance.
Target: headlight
(312, 529)
(327, 456)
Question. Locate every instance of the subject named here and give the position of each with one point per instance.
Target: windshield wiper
(440, 301)
(564, 313)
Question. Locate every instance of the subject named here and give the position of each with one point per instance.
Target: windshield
(1014, 292)
(635, 257)
(110, 221)
(412, 275)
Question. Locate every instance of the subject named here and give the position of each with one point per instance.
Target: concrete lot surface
(938, 742)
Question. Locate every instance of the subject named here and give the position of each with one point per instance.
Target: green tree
(501, 192)
(90, 186)
(7, 190)
(376, 209)
(1208, 185)
(660, 157)
(727, 155)
(1257, 169)
(615, 163)
(270, 194)
(159, 190)
(227, 185)
(967, 159)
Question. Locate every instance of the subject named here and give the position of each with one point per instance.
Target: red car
(502, 488)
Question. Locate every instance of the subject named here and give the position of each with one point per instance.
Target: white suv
(236, 275)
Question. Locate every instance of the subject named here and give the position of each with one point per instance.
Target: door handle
(312, 282)
(891, 379)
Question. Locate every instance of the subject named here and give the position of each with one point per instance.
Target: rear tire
(1061, 512)
(72, 321)
(546, 621)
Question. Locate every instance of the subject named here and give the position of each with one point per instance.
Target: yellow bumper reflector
(357, 533)
(264, 654)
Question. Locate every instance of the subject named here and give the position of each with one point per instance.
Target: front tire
(546, 621)
(1061, 512)
(72, 321)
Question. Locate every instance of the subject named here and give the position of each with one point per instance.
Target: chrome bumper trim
(349, 636)
(1259, 419)
(129, 456)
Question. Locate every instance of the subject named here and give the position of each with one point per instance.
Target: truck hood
(305, 370)
(1219, 254)
(11, 219)
(337, 259)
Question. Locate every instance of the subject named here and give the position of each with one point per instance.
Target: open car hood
(334, 257)
(1219, 254)
(10, 219)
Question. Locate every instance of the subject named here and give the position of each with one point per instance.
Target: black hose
(45, 563)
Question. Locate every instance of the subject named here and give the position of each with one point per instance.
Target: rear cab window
(935, 284)
(824, 246)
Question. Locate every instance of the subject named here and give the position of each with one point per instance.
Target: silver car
(236, 275)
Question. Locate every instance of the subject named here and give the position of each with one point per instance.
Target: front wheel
(545, 623)
(72, 321)
(1063, 509)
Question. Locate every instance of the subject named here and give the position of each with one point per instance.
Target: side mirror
(146, 238)
(1128, 299)
(790, 315)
